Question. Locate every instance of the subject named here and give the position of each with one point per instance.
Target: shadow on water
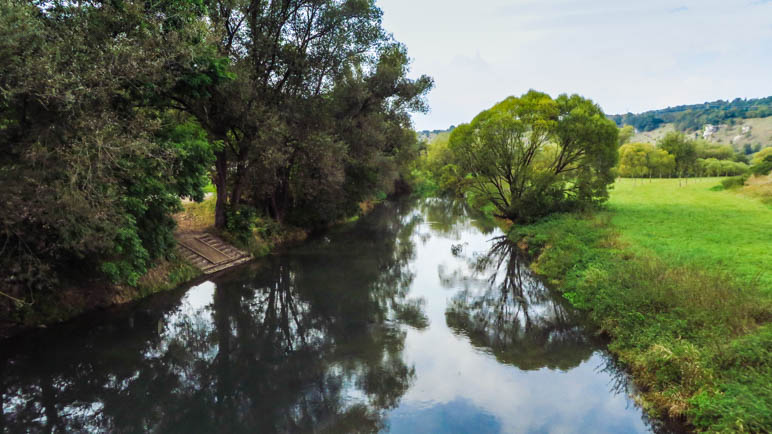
(307, 341)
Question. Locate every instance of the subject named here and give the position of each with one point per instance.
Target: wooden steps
(209, 253)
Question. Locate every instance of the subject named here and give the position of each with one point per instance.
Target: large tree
(305, 95)
(533, 155)
(682, 149)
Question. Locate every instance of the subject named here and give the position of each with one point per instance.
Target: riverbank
(260, 237)
(76, 296)
(676, 277)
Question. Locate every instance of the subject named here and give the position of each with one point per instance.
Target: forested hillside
(695, 116)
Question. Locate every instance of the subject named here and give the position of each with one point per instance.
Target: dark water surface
(416, 318)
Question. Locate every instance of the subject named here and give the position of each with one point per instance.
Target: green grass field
(718, 230)
(665, 272)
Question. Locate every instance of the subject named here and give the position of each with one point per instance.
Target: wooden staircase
(209, 253)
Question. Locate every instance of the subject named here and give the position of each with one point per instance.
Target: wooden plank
(209, 253)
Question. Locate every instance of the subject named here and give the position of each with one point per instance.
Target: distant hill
(429, 135)
(694, 117)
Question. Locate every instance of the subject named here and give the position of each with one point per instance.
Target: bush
(240, 222)
(734, 182)
(763, 167)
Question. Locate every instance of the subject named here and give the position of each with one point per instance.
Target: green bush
(763, 167)
(240, 222)
(734, 182)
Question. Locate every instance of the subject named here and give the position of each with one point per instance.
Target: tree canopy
(683, 150)
(315, 114)
(643, 159)
(677, 155)
(533, 155)
(92, 165)
(110, 112)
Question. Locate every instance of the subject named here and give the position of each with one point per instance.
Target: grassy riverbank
(677, 277)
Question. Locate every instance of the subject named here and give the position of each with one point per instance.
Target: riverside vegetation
(674, 271)
(110, 112)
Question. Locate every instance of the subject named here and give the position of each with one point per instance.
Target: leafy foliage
(312, 107)
(683, 150)
(643, 159)
(532, 155)
(110, 112)
(93, 166)
(763, 167)
(678, 155)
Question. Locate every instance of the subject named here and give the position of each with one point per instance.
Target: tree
(682, 149)
(759, 156)
(310, 99)
(763, 167)
(625, 134)
(633, 160)
(531, 155)
(92, 167)
(660, 162)
(707, 149)
(643, 159)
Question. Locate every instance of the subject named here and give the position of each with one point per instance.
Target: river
(416, 318)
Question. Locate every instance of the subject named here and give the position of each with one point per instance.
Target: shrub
(734, 182)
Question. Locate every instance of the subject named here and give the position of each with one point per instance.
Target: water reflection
(410, 320)
(504, 309)
(450, 217)
(309, 341)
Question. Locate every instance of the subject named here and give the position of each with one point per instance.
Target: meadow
(694, 224)
(677, 278)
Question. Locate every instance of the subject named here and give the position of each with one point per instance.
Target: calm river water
(414, 319)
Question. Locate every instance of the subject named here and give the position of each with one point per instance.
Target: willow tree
(533, 155)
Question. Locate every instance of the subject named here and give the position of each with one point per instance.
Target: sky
(627, 56)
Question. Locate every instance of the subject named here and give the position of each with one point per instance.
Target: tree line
(675, 155)
(111, 111)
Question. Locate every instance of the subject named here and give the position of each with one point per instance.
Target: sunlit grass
(694, 225)
(197, 216)
(677, 277)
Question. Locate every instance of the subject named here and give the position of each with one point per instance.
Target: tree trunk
(221, 166)
(238, 182)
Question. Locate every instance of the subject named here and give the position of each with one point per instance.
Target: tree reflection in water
(506, 310)
(307, 341)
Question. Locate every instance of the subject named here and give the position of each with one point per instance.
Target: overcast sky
(625, 55)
